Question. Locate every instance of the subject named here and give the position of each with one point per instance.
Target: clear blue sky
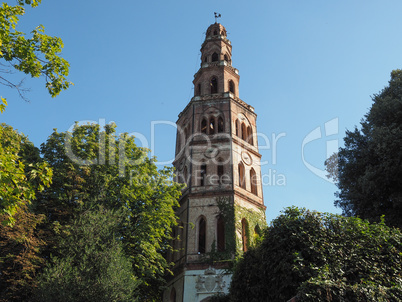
(301, 63)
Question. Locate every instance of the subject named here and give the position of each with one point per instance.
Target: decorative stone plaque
(210, 282)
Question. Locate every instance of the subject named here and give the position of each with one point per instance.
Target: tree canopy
(94, 166)
(22, 172)
(370, 164)
(321, 257)
(20, 255)
(90, 264)
(56, 196)
(37, 55)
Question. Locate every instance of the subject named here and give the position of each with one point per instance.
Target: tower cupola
(216, 75)
(214, 30)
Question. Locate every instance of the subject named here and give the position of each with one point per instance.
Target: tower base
(197, 285)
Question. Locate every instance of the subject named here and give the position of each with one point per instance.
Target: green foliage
(91, 264)
(3, 104)
(22, 173)
(226, 210)
(97, 166)
(37, 56)
(232, 215)
(219, 298)
(321, 257)
(370, 164)
(256, 221)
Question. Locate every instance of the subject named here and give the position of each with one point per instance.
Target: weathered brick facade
(217, 157)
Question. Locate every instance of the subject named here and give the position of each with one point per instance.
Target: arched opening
(242, 179)
(226, 58)
(199, 89)
(174, 236)
(253, 181)
(257, 230)
(211, 125)
(185, 175)
(231, 86)
(215, 57)
(202, 235)
(215, 32)
(172, 295)
(237, 128)
(243, 131)
(204, 126)
(249, 135)
(186, 134)
(244, 234)
(214, 85)
(206, 59)
(220, 230)
(203, 175)
(220, 125)
(220, 172)
(178, 145)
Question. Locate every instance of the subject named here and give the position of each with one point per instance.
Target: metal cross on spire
(217, 16)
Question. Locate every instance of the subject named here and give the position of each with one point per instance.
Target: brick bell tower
(222, 208)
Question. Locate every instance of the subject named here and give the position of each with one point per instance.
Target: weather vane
(217, 16)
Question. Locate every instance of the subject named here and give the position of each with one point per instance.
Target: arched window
(204, 126)
(206, 59)
(220, 172)
(220, 125)
(185, 175)
(215, 57)
(214, 85)
(226, 58)
(242, 180)
(186, 134)
(244, 234)
(172, 295)
(199, 89)
(237, 128)
(257, 230)
(174, 236)
(203, 174)
(231, 86)
(211, 125)
(253, 181)
(215, 32)
(249, 135)
(178, 145)
(202, 235)
(220, 232)
(243, 131)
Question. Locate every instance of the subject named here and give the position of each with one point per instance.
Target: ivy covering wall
(233, 215)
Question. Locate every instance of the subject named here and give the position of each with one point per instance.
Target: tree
(321, 257)
(370, 164)
(90, 264)
(20, 256)
(96, 166)
(37, 56)
(22, 173)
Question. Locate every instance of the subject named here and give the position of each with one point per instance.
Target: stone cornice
(224, 96)
(214, 39)
(208, 65)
